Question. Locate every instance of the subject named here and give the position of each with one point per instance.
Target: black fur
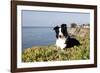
(64, 30)
(57, 31)
(71, 42)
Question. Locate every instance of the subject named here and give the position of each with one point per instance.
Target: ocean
(37, 36)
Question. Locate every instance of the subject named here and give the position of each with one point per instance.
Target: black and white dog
(63, 39)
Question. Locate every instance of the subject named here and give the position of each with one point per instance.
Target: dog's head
(61, 32)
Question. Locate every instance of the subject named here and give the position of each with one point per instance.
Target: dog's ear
(55, 28)
(64, 30)
(64, 26)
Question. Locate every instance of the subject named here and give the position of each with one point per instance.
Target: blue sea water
(37, 36)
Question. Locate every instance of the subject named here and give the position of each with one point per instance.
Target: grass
(51, 53)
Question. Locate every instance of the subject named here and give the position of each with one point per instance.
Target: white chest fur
(60, 43)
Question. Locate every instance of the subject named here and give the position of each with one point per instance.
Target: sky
(51, 18)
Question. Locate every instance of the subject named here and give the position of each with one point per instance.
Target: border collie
(63, 39)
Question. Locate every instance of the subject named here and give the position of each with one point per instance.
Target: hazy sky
(44, 18)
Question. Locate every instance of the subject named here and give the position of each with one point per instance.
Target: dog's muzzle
(60, 36)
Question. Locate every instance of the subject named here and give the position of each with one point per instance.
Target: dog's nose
(60, 36)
